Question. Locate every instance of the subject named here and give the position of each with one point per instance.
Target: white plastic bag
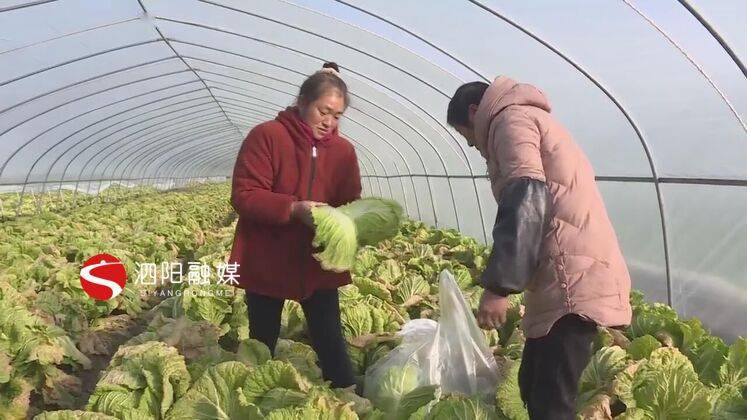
(451, 354)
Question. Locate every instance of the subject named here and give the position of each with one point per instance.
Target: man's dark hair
(466, 95)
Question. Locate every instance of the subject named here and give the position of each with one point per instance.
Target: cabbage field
(182, 350)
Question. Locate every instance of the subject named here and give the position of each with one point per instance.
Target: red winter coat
(274, 168)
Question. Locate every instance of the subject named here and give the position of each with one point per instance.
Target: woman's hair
(467, 94)
(321, 82)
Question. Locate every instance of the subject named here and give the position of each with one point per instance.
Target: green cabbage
(252, 352)
(216, 395)
(734, 371)
(458, 407)
(508, 396)
(393, 386)
(663, 386)
(301, 356)
(141, 382)
(641, 347)
(265, 383)
(340, 231)
(73, 415)
(598, 375)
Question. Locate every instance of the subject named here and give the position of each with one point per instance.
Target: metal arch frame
(23, 146)
(68, 34)
(365, 165)
(690, 59)
(379, 107)
(461, 148)
(146, 113)
(86, 138)
(48, 110)
(146, 157)
(279, 107)
(312, 33)
(164, 39)
(368, 154)
(394, 161)
(134, 116)
(189, 132)
(162, 125)
(389, 185)
(28, 174)
(589, 77)
(123, 48)
(25, 5)
(182, 129)
(415, 130)
(85, 58)
(75, 60)
(222, 156)
(51, 167)
(220, 150)
(417, 203)
(206, 130)
(177, 56)
(216, 139)
(365, 155)
(258, 113)
(244, 117)
(359, 143)
(405, 30)
(267, 116)
(709, 27)
(628, 117)
(464, 157)
(211, 127)
(84, 81)
(655, 177)
(219, 153)
(84, 180)
(165, 124)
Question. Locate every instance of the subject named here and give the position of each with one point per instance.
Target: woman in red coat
(284, 168)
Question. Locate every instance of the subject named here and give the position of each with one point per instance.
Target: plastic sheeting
(158, 92)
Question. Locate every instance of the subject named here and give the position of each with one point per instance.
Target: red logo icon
(103, 277)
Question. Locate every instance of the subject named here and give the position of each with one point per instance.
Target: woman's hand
(301, 210)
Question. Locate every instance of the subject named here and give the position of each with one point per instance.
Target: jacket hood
(502, 93)
(300, 131)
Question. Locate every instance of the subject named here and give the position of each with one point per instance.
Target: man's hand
(301, 210)
(492, 311)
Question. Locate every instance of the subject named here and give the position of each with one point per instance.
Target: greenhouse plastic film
(451, 354)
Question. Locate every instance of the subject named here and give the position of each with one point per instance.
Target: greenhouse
(124, 125)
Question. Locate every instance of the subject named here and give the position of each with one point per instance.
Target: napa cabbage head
(341, 230)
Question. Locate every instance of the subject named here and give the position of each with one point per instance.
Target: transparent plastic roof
(655, 92)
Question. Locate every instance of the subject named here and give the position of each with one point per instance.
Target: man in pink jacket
(552, 239)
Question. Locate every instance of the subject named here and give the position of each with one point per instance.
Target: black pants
(322, 312)
(551, 367)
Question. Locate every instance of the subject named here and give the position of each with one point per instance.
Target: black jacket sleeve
(522, 221)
